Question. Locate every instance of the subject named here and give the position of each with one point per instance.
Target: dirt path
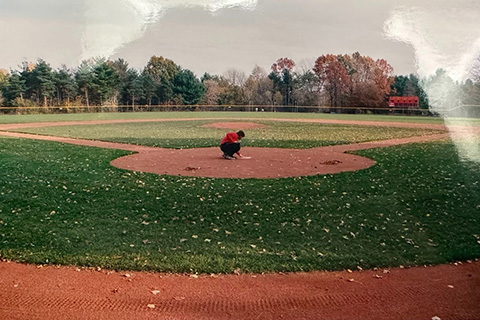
(447, 292)
(48, 292)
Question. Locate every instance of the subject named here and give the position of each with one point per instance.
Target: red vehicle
(409, 102)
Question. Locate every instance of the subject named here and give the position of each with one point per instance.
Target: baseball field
(149, 191)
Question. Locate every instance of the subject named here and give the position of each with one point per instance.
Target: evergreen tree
(43, 81)
(419, 92)
(105, 82)
(148, 88)
(84, 80)
(186, 85)
(132, 89)
(14, 89)
(162, 71)
(66, 87)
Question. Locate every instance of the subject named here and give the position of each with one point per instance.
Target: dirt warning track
(447, 292)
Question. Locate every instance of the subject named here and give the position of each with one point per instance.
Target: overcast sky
(204, 36)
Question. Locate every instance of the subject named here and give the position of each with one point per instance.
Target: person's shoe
(228, 157)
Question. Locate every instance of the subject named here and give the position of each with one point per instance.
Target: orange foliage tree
(333, 76)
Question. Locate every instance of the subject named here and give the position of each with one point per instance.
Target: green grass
(192, 134)
(65, 204)
(219, 115)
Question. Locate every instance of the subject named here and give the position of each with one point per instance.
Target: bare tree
(235, 77)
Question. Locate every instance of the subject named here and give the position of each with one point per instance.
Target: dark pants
(230, 148)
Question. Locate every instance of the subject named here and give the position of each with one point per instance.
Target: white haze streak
(445, 35)
(111, 24)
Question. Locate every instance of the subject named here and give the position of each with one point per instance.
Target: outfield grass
(65, 204)
(219, 115)
(193, 134)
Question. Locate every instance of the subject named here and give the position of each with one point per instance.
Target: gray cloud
(196, 39)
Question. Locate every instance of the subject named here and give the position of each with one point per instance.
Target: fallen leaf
(151, 306)
(155, 292)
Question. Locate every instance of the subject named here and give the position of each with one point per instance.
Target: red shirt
(230, 137)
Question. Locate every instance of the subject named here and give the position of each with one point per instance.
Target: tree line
(332, 80)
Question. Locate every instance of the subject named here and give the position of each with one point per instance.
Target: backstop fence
(472, 111)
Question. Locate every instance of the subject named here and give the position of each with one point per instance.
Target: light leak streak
(445, 35)
(111, 24)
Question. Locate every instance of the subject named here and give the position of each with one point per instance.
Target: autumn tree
(235, 77)
(212, 92)
(230, 95)
(333, 76)
(259, 88)
(4, 74)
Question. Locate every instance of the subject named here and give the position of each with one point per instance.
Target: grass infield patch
(192, 134)
(64, 204)
(211, 114)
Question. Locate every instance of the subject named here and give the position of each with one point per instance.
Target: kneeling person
(231, 144)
